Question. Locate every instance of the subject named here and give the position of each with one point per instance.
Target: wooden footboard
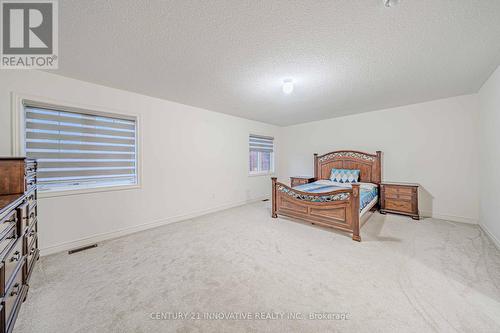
(337, 209)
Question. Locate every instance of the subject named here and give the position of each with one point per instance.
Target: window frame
(271, 170)
(18, 138)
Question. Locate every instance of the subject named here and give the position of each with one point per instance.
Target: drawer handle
(32, 250)
(32, 233)
(16, 256)
(15, 290)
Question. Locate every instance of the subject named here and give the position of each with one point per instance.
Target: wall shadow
(425, 202)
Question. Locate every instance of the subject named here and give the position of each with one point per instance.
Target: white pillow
(324, 182)
(328, 182)
(367, 186)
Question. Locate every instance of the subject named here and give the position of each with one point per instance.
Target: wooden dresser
(18, 235)
(399, 198)
(300, 180)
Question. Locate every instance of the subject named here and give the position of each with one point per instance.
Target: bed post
(273, 199)
(379, 167)
(316, 166)
(355, 212)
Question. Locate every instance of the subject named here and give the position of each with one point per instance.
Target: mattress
(368, 191)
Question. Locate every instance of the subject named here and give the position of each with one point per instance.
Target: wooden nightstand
(299, 180)
(399, 198)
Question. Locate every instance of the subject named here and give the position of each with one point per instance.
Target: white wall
(194, 161)
(187, 172)
(434, 144)
(489, 97)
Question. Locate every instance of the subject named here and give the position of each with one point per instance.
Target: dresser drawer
(7, 222)
(30, 183)
(6, 244)
(31, 235)
(12, 298)
(398, 205)
(2, 318)
(33, 253)
(22, 218)
(30, 167)
(12, 260)
(31, 198)
(30, 175)
(32, 214)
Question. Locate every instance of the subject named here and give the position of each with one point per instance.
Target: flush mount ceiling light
(391, 3)
(287, 86)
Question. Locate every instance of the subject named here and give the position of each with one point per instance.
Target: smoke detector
(391, 3)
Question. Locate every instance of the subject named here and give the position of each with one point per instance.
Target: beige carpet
(406, 276)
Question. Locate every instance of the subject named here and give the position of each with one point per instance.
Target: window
(261, 154)
(79, 149)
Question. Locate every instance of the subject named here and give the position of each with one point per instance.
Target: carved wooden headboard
(370, 165)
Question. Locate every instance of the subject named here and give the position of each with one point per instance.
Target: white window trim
(17, 110)
(263, 173)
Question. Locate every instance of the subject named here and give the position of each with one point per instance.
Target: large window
(261, 154)
(79, 149)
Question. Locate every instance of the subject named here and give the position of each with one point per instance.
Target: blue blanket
(366, 195)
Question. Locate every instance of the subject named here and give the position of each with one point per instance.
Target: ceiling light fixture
(391, 3)
(287, 86)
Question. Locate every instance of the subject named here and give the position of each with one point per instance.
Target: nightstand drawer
(391, 194)
(398, 190)
(405, 197)
(296, 181)
(399, 197)
(398, 205)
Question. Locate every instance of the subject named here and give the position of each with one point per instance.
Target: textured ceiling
(231, 56)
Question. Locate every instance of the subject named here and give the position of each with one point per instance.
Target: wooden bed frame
(336, 209)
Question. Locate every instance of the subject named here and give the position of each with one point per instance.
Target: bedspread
(367, 191)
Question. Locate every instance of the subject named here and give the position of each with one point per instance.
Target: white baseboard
(97, 238)
(453, 218)
(487, 231)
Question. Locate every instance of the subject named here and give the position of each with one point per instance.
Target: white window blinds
(261, 143)
(261, 157)
(80, 150)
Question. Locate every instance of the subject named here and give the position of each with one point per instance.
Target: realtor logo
(29, 34)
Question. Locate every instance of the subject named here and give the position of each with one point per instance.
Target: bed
(330, 204)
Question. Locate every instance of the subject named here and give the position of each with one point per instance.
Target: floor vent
(83, 248)
(265, 200)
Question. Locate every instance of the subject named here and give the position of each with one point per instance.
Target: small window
(261, 159)
(80, 149)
